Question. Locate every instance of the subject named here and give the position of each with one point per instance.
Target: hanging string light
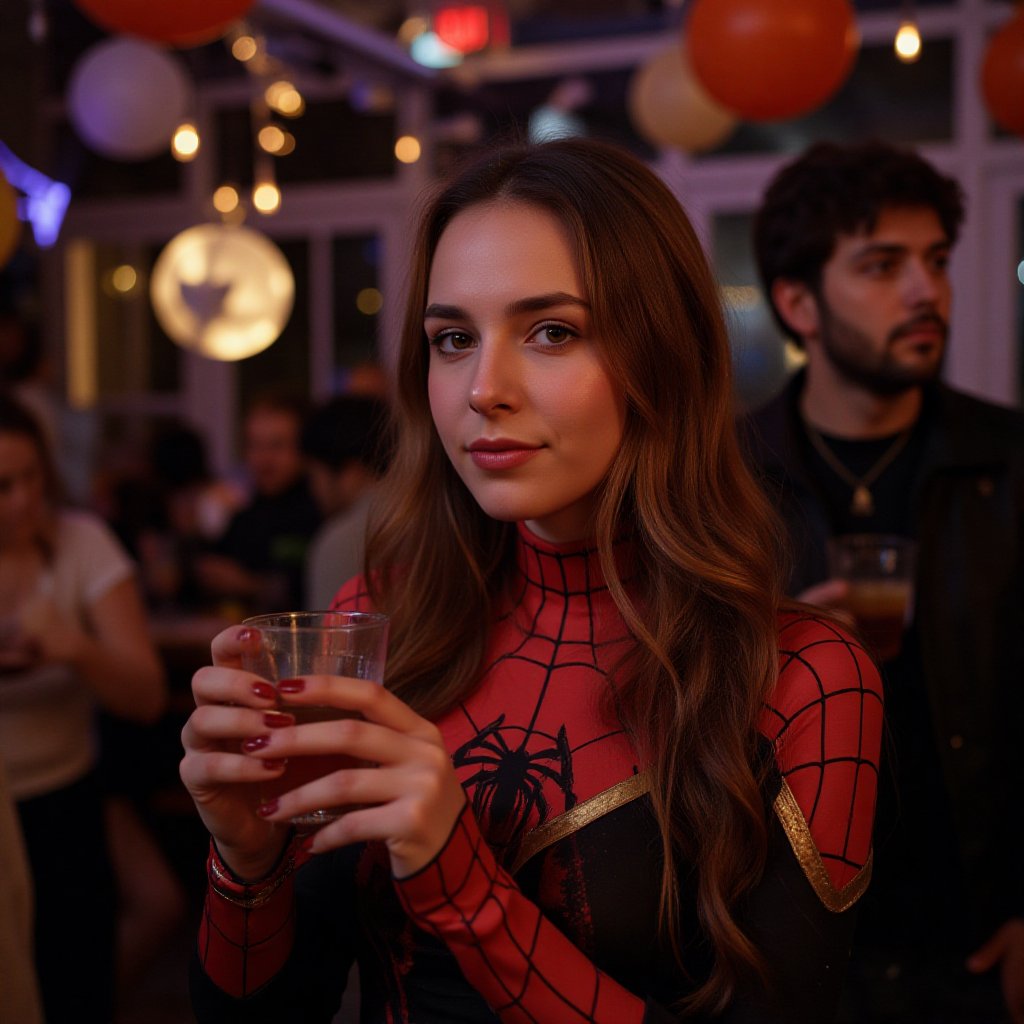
(907, 43)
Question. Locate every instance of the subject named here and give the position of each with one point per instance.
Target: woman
(74, 638)
(610, 779)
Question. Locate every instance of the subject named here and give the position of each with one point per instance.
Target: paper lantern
(1002, 75)
(669, 107)
(768, 60)
(126, 98)
(178, 22)
(10, 226)
(225, 292)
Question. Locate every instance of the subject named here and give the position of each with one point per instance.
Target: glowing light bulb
(907, 43)
(244, 48)
(185, 143)
(283, 97)
(225, 199)
(408, 149)
(266, 197)
(271, 138)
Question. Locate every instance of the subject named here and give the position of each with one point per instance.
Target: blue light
(45, 201)
(430, 51)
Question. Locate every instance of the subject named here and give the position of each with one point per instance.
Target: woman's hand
(407, 795)
(231, 706)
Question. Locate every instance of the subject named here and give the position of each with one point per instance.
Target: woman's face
(519, 393)
(22, 489)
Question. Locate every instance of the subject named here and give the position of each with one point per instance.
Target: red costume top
(542, 906)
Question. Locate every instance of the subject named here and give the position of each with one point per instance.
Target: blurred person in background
(346, 447)
(258, 562)
(75, 639)
(853, 244)
(18, 985)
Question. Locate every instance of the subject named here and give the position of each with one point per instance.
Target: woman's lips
(500, 456)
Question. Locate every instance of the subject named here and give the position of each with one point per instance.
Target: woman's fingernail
(244, 635)
(267, 808)
(277, 719)
(254, 744)
(272, 764)
(264, 691)
(291, 685)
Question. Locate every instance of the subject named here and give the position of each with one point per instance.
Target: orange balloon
(10, 226)
(1002, 75)
(178, 22)
(768, 60)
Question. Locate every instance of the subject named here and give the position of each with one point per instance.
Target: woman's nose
(496, 383)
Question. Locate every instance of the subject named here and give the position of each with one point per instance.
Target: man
(258, 562)
(852, 245)
(345, 444)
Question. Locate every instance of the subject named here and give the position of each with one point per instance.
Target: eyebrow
(531, 304)
(895, 248)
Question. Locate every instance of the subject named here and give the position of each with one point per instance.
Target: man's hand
(1006, 949)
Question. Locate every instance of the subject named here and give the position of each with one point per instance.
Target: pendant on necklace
(863, 504)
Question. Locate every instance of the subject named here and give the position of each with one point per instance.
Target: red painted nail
(277, 719)
(256, 743)
(264, 691)
(267, 808)
(244, 635)
(291, 685)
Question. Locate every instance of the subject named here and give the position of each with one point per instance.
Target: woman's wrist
(251, 869)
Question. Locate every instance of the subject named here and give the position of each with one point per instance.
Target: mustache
(923, 320)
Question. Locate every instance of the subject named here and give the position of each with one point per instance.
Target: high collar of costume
(568, 575)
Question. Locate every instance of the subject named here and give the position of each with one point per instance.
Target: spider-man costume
(541, 907)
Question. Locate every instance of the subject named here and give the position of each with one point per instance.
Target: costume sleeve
(278, 949)
(524, 967)
(825, 727)
(825, 723)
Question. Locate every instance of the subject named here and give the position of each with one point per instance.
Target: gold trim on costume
(581, 815)
(799, 835)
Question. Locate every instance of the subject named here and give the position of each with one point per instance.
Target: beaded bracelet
(249, 895)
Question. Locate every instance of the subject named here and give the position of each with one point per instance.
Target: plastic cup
(879, 569)
(336, 643)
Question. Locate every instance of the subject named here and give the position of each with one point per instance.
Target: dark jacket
(967, 505)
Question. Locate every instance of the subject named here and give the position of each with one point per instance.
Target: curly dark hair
(834, 190)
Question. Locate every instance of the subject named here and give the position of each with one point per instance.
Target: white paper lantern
(126, 97)
(669, 107)
(225, 292)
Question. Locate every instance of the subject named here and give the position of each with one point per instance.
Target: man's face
(884, 302)
(272, 453)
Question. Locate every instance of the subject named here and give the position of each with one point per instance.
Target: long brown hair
(709, 568)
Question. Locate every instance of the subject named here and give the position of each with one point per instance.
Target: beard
(852, 353)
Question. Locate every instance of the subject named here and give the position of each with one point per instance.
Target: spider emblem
(509, 785)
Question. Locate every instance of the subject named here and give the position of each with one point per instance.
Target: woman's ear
(797, 305)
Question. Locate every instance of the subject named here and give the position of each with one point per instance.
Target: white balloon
(126, 97)
(223, 291)
(669, 107)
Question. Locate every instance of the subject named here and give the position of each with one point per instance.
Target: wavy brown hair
(708, 579)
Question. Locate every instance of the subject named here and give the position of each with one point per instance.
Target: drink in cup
(879, 570)
(337, 643)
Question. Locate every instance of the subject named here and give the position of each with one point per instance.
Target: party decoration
(225, 292)
(178, 22)
(127, 97)
(669, 107)
(769, 60)
(1002, 75)
(10, 226)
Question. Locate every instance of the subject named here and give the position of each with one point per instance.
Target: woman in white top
(73, 638)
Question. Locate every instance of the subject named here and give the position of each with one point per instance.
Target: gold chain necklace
(863, 503)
